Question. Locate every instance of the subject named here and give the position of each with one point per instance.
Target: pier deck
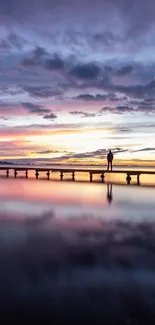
(73, 172)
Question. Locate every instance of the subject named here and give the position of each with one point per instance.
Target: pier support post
(91, 177)
(15, 173)
(26, 173)
(138, 179)
(37, 174)
(48, 175)
(128, 179)
(73, 176)
(61, 176)
(102, 177)
(7, 173)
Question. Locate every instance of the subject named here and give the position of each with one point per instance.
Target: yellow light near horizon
(84, 140)
(6, 139)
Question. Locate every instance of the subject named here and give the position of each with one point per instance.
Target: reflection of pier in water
(63, 171)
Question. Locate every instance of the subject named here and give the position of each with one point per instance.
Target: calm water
(77, 251)
(75, 201)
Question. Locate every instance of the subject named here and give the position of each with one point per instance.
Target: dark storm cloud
(35, 108)
(50, 116)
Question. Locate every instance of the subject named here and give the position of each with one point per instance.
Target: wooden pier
(63, 171)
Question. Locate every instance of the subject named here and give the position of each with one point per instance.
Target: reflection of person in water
(109, 193)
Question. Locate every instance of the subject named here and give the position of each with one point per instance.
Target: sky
(77, 78)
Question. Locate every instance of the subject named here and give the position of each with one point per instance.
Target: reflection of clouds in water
(105, 273)
(17, 207)
(110, 211)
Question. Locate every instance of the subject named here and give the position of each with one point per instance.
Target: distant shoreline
(11, 163)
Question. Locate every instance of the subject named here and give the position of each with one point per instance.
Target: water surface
(72, 251)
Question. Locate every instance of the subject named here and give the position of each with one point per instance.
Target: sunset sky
(77, 78)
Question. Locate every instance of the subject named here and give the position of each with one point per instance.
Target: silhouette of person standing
(110, 159)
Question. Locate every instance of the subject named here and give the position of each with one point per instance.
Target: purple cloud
(50, 116)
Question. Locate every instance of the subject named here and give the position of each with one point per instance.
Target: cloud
(122, 109)
(12, 42)
(10, 90)
(147, 105)
(144, 149)
(85, 71)
(125, 70)
(35, 57)
(97, 154)
(137, 91)
(45, 152)
(125, 130)
(117, 109)
(4, 118)
(35, 108)
(61, 12)
(83, 114)
(143, 106)
(40, 57)
(42, 91)
(97, 97)
(51, 116)
(39, 52)
(55, 63)
(73, 56)
(89, 97)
